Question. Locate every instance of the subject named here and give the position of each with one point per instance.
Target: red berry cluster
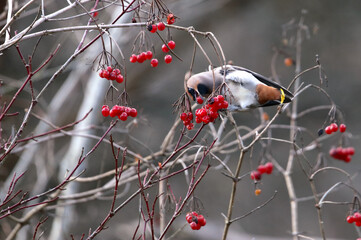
(341, 153)
(195, 220)
(143, 56)
(166, 47)
(261, 169)
(187, 120)
(209, 112)
(154, 27)
(354, 218)
(122, 112)
(111, 74)
(333, 128)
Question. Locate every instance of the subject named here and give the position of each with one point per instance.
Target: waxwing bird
(247, 89)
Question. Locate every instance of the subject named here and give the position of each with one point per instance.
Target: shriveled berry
(168, 59)
(170, 18)
(255, 175)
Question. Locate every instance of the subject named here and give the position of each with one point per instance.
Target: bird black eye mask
(193, 93)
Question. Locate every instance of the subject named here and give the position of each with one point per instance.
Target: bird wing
(264, 80)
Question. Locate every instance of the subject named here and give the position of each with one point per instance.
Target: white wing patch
(243, 85)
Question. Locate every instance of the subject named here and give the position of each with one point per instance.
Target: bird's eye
(192, 92)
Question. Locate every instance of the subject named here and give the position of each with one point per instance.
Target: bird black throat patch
(204, 90)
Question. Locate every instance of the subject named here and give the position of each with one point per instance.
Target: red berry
(152, 28)
(255, 175)
(119, 78)
(171, 44)
(133, 58)
(116, 71)
(149, 55)
(101, 74)
(168, 59)
(194, 213)
(357, 217)
(105, 111)
(123, 116)
(195, 226)
(206, 119)
(350, 151)
(112, 113)
(350, 219)
(106, 74)
(109, 69)
(165, 48)
(170, 18)
(183, 116)
(201, 220)
(220, 98)
(112, 76)
(190, 116)
(95, 14)
(225, 104)
(161, 26)
(342, 128)
(133, 112)
(328, 130)
(358, 224)
(262, 169)
(269, 167)
(190, 126)
(199, 100)
(334, 127)
(154, 62)
(189, 217)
